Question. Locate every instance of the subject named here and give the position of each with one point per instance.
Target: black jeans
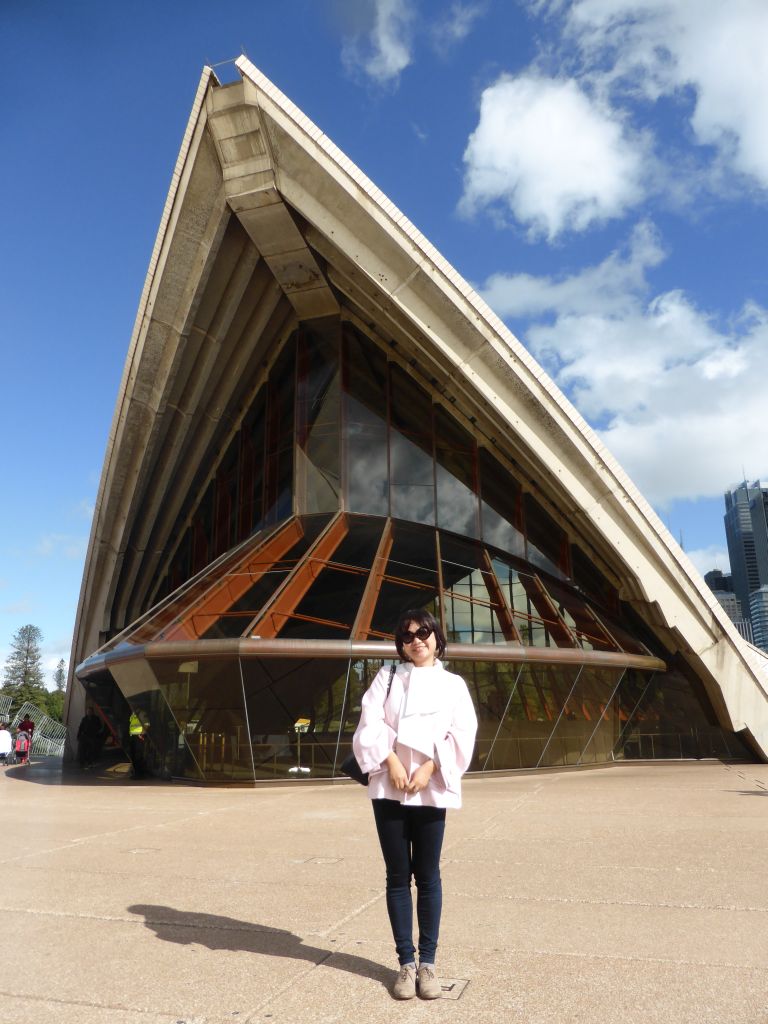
(411, 840)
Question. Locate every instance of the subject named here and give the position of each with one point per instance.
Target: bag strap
(391, 677)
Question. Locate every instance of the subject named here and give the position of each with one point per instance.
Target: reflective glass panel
(580, 620)
(412, 480)
(456, 476)
(207, 732)
(493, 686)
(547, 543)
(574, 729)
(318, 437)
(358, 548)
(253, 440)
(365, 425)
(279, 691)
(280, 427)
(500, 506)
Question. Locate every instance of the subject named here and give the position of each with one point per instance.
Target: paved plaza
(633, 893)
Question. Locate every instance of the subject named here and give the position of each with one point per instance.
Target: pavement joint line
(115, 832)
(292, 982)
(628, 958)
(349, 917)
(146, 921)
(491, 824)
(608, 903)
(26, 995)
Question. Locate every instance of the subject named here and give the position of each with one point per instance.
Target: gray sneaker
(429, 986)
(405, 984)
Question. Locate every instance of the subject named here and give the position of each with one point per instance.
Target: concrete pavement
(633, 893)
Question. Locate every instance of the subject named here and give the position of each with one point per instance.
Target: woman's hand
(398, 776)
(421, 777)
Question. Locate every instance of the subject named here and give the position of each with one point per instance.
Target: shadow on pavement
(52, 771)
(217, 932)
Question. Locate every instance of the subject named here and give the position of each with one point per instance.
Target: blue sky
(598, 169)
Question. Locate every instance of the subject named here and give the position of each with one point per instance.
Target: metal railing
(49, 736)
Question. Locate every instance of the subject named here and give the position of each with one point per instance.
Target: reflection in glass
(280, 691)
(199, 726)
(206, 733)
(456, 476)
(547, 543)
(365, 425)
(500, 507)
(278, 489)
(317, 414)
(412, 480)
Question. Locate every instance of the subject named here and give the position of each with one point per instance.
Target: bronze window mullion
(362, 624)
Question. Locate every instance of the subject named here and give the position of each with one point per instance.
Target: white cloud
(385, 49)
(677, 398)
(713, 557)
(380, 34)
(455, 24)
(556, 157)
(62, 545)
(610, 285)
(716, 50)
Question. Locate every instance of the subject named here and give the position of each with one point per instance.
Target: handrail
(358, 649)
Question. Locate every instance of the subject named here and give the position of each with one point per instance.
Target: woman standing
(415, 738)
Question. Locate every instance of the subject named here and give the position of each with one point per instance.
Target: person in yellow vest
(136, 740)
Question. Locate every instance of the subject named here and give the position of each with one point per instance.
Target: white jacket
(5, 741)
(428, 714)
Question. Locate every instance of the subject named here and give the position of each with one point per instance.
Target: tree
(60, 676)
(54, 705)
(23, 675)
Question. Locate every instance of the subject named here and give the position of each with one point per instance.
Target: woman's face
(420, 652)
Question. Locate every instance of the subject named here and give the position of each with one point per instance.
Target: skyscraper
(747, 536)
(758, 610)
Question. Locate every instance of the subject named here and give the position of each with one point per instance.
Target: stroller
(22, 747)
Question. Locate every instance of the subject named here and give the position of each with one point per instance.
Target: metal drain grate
(453, 988)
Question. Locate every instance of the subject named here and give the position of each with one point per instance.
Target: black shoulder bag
(349, 765)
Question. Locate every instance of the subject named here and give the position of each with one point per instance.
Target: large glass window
(279, 691)
(365, 426)
(318, 470)
(280, 426)
(410, 579)
(202, 532)
(457, 478)
(252, 460)
(547, 545)
(501, 510)
(412, 472)
(226, 500)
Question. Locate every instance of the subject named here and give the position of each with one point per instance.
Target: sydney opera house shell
(319, 425)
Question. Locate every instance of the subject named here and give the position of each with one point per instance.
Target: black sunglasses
(419, 634)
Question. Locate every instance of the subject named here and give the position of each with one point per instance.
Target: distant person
(6, 743)
(136, 749)
(88, 738)
(22, 745)
(27, 725)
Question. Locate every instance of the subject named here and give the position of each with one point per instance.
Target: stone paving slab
(629, 893)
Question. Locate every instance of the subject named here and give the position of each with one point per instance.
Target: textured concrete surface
(634, 893)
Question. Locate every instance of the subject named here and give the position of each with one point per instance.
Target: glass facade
(350, 492)
(231, 719)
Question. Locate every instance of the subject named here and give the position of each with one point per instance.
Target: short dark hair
(423, 618)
